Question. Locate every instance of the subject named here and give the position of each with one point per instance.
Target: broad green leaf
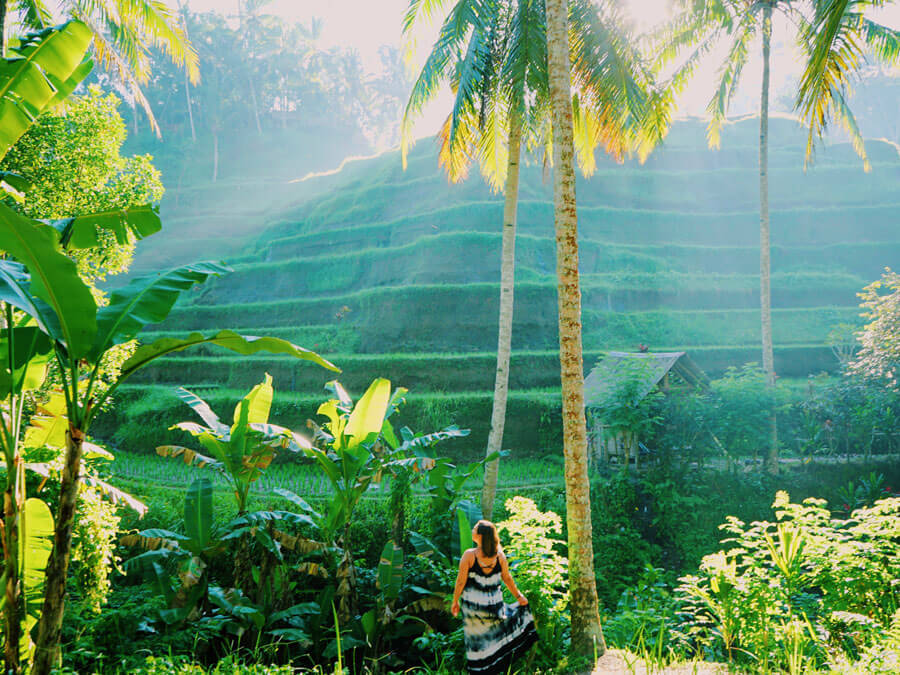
(198, 513)
(201, 407)
(115, 495)
(282, 436)
(344, 402)
(369, 624)
(242, 344)
(465, 532)
(367, 417)
(49, 423)
(65, 88)
(390, 570)
(335, 420)
(32, 352)
(259, 402)
(143, 301)
(35, 543)
(81, 232)
(188, 456)
(53, 294)
(297, 501)
(30, 74)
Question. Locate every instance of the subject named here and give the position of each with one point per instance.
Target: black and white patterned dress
(496, 633)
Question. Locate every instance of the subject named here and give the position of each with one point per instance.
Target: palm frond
(729, 77)
(438, 67)
(838, 36)
(34, 14)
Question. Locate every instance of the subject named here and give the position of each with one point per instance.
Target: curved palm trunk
(587, 638)
(46, 654)
(765, 292)
(507, 284)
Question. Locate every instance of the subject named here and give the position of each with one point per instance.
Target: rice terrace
(450, 336)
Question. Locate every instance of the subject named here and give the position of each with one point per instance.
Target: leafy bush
(539, 570)
(786, 594)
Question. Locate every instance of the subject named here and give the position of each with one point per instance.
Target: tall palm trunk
(46, 653)
(507, 283)
(765, 292)
(587, 638)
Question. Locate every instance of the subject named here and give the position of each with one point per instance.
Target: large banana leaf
(51, 292)
(37, 67)
(35, 543)
(201, 407)
(64, 88)
(258, 402)
(390, 570)
(81, 231)
(48, 424)
(31, 352)
(242, 344)
(368, 414)
(198, 514)
(143, 301)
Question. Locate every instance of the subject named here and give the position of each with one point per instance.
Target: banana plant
(43, 283)
(241, 452)
(359, 447)
(386, 620)
(189, 553)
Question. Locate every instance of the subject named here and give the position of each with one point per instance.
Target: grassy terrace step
(143, 414)
(622, 273)
(702, 191)
(803, 226)
(800, 233)
(537, 296)
(444, 372)
(385, 325)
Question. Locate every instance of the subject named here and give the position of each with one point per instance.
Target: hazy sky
(365, 25)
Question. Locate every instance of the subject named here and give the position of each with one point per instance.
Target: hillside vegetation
(396, 274)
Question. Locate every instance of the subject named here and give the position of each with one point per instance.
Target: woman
(496, 633)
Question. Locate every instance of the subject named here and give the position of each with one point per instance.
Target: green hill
(396, 273)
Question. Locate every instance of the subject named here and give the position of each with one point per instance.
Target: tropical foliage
(335, 548)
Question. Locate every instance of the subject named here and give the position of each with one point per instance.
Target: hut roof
(650, 367)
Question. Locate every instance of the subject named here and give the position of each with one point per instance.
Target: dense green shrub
(784, 594)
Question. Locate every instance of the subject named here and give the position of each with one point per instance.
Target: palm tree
(125, 32)
(587, 636)
(832, 32)
(493, 55)
(838, 38)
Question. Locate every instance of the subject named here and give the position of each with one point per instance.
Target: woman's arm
(465, 564)
(508, 580)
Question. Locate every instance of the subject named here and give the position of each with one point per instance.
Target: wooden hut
(652, 369)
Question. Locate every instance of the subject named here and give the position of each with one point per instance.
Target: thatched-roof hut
(651, 369)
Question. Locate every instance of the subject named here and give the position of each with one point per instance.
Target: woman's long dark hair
(489, 538)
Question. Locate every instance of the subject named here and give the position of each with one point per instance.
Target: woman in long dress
(496, 633)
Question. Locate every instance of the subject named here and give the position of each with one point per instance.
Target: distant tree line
(260, 72)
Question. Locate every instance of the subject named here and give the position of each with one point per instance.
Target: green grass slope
(395, 274)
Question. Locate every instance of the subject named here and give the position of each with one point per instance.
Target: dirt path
(617, 662)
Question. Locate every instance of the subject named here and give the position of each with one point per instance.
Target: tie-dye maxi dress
(496, 633)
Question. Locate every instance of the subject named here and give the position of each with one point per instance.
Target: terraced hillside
(396, 274)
